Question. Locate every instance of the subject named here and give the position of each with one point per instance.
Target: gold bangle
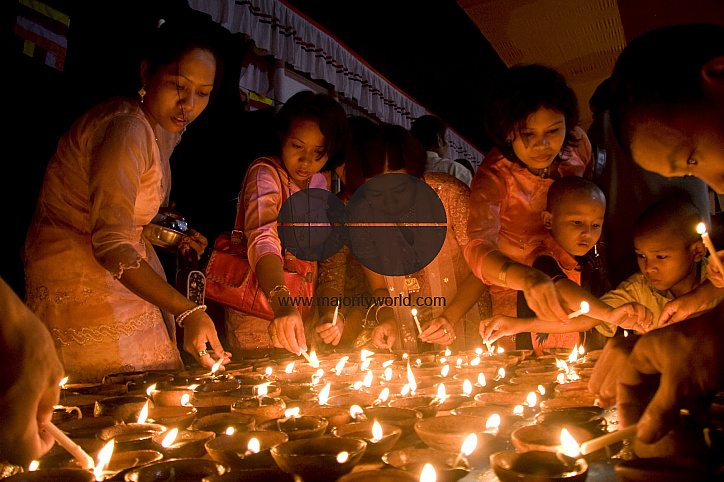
(503, 273)
(180, 318)
(274, 290)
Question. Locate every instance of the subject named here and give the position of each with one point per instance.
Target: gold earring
(142, 93)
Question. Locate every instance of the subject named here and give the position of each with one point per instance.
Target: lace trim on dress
(97, 334)
(122, 266)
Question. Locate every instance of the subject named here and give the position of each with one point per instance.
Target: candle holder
(356, 398)
(569, 402)
(448, 433)
(545, 437)
(427, 406)
(53, 475)
(233, 450)
(538, 467)
(587, 419)
(296, 428)
(320, 459)
(88, 427)
(214, 404)
(218, 423)
(363, 430)
(508, 400)
(508, 420)
(122, 462)
(412, 460)
(405, 418)
(336, 416)
(172, 417)
(176, 469)
(188, 444)
(262, 409)
(169, 396)
(124, 407)
(132, 436)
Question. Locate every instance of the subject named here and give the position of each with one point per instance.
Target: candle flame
(581, 350)
(342, 457)
(388, 363)
(481, 379)
(475, 362)
(574, 354)
(291, 412)
(365, 365)
(501, 350)
(104, 456)
(185, 399)
(501, 373)
(459, 362)
(364, 354)
(467, 387)
(313, 360)
(478, 351)
(289, 368)
(217, 365)
(569, 446)
(414, 312)
(169, 439)
(33, 466)
(268, 371)
(340, 366)
(63, 382)
(541, 389)
(405, 390)
(445, 370)
(143, 415)
(493, 423)
(193, 387)
(384, 394)
(150, 389)
(518, 410)
(388, 374)
(531, 399)
(376, 432)
(441, 392)
(701, 228)
(324, 394)
(405, 356)
(561, 378)
(428, 474)
(230, 431)
(471, 441)
(563, 365)
(358, 385)
(418, 362)
(355, 410)
(368, 379)
(253, 446)
(625, 333)
(411, 378)
(448, 352)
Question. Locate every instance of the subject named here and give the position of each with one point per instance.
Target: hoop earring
(142, 93)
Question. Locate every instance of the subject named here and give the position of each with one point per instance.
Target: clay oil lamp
(171, 394)
(545, 437)
(380, 437)
(588, 418)
(405, 418)
(320, 459)
(88, 427)
(176, 470)
(133, 436)
(261, 407)
(508, 420)
(335, 415)
(425, 404)
(453, 396)
(448, 467)
(53, 475)
(297, 426)
(178, 444)
(449, 433)
(124, 407)
(495, 398)
(245, 450)
(219, 423)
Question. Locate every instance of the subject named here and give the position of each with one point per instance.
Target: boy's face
(577, 223)
(666, 261)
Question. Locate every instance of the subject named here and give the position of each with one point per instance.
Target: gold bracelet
(274, 290)
(180, 318)
(503, 273)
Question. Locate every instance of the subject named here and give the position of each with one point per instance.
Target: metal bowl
(162, 237)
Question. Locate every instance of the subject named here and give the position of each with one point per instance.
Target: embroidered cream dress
(107, 179)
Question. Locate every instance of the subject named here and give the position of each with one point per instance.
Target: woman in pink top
(312, 133)
(531, 118)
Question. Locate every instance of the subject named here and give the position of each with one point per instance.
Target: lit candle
(376, 432)
(170, 438)
(713, 258)
(608, 439)
(384, 394)
(342, 457)
(445, 370)
(584, 309)
(417, 322)
(411, 378)
(340, 366)
(468, 447)
(428, 474)
(104, 456)
(75, 450)
(230, 431)
(574, 355)
(492, 425)
(324, 394)
(143, 414)
(356, 412)
(569, 448)
(334, 318)
(252, 447)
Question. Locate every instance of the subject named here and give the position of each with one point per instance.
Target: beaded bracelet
(180, 318)
(274, 290)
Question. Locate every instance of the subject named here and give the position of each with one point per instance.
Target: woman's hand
(604, 379)
(193, 241)
(199, 329)
(439, 331)
(287, 330)
(632, 316)
(684, 306)
(328, 332)
(498, 326)
(542, 297)
(713, 274)
(384, 335)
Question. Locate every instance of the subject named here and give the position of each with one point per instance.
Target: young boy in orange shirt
(574, 219)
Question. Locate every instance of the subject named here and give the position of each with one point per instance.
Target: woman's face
(541, 138)
(390, 193)
(178, 92)
(302, 150)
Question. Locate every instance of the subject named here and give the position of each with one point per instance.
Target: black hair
(520, 91)
(327, 112)
(181, 33)
(673, 212)
(565, 186)
(428, 129)
(392, 148)
(659, 72)
(466, 164)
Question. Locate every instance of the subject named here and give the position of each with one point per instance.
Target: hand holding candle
(85, 460)
(713, 257)
(584, 309)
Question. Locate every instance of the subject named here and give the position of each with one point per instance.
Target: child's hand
(682, 307)
(492, 329)
(713, 274)
(384, 335)
(632, 316)
(328, 332)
